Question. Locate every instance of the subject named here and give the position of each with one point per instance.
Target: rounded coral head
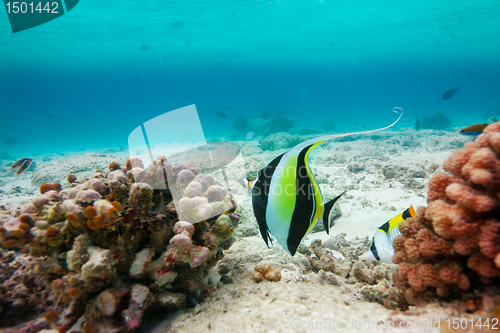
(71, 178)
(49, 187)
(114, 166)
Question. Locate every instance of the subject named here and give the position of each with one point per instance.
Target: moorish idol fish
(21, 165)
(286, 198)
(382, 249)
(474, 129)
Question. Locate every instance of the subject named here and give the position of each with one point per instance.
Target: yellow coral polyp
(73, 219)
(112, 212)
(25, 218)
(51, 316)
(99, 222)
(91, 224)
(51, 231)
(73, 292)
(118, 206)
(65, 299)
(24, 226)
(10, 243)
(89, 328)
(52, 241)
(90, 212)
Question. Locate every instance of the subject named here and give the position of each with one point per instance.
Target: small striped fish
(382, 249)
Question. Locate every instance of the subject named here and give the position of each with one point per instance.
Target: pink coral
(470, 198)
(459, 230)
(489, 243)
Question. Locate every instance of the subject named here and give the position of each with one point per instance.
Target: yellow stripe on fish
(381, 248)
(287, 200)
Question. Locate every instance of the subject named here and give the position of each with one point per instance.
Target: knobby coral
(110, 247)
(452, 246)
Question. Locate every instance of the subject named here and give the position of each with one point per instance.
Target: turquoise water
(83, 82)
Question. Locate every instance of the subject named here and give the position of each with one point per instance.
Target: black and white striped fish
(381, 248)
(287, 200)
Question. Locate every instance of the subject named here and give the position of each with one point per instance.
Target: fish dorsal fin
(317, 141)
(326, 212)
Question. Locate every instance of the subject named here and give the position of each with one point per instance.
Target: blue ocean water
(82, 81)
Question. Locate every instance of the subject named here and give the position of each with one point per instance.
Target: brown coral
(109, 247)
(265, 272)
(454, 243)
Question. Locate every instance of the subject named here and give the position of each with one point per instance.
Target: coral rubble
(265, 272)
(452, 246)
(111, 247)
(22, 295)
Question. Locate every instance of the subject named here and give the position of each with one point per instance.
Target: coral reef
(438, 121)
(261, 125)
(113, 246)
(279, 141)
(22, 295)
(266, 272)
(452, 247)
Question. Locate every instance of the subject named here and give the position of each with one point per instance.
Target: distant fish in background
(452, 35)
(449, 93)
(21, 165)
(11, 141)
(48, 115)
(474, 129)
(220, 114)
(145, 47)
(265, 115)
(177, 25)
(250, 135)
(381, 248)
(417, 124)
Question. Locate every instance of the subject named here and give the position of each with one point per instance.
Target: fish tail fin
(367, 256)
(326, 212)
(457, 88)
